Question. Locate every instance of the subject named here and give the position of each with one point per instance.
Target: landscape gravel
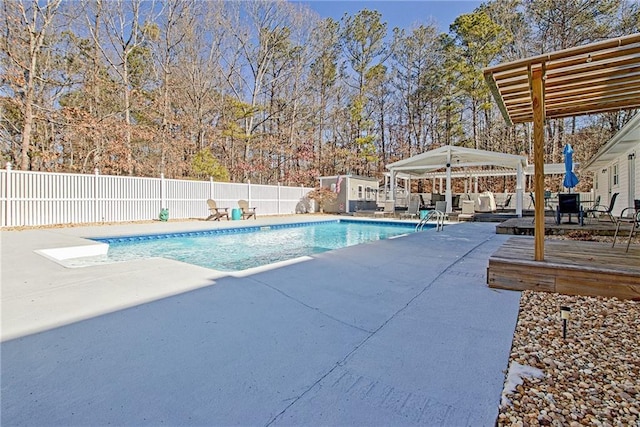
(591, 378)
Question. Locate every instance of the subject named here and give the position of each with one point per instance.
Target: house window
(616, 179)
(360, 189)
(367, 193)
(595, 181)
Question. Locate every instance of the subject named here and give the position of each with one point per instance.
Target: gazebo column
(519, 192)
(538, 160)
(447, 194)
(391, 196)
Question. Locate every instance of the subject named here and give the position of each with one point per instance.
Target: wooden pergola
(594, 78)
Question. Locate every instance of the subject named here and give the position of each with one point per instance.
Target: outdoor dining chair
(631, 217)
(600, 210)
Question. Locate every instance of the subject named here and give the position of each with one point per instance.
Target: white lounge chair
(468, 211)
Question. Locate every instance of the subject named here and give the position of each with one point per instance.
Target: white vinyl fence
(43, 198)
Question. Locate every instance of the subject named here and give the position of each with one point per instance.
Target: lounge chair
(388, 210)
(441, 206)
(412, 210)
(215, 213)
(630, 216)
(600, 210)
(486, 202)
(247, 212)
(506, 203)
(468, 210)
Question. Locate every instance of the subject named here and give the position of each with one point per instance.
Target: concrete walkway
(395, 332)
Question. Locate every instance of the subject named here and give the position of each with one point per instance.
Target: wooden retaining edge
(522, 275)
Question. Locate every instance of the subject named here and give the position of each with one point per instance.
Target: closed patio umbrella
(570, 178)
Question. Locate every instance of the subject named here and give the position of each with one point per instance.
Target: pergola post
(538, 160)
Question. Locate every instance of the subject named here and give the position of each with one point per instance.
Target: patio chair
(533, 203)
(468, 211)
(247, 212)
(412, 210)
(441, 206)
(486, 202)
(506, 203)
(215, 213)
(630, 216)
(600, 210)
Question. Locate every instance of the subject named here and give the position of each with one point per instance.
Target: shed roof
(597, 77)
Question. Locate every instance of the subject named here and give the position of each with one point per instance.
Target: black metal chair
(569, 203)
(603, 210)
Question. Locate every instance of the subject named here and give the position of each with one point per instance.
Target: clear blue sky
(399, 13)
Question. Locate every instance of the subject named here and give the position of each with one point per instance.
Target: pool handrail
(439, 216)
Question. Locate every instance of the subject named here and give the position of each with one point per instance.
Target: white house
(614, 167)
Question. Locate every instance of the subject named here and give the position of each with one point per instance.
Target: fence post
(211, 188)
(96, 186)
(163, 193)
(278, 198)
(249, 191)
(7, 210)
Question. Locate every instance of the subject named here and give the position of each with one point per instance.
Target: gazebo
(594, 78)
(451, 157)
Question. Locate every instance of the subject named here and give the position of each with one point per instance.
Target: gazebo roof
(594, 78)
(421, 164)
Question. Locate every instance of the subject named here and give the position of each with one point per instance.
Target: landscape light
(564, 315)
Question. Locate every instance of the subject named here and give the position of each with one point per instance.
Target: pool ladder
(439, 216)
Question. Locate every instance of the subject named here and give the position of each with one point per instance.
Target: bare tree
(124, 22)
(26, 28)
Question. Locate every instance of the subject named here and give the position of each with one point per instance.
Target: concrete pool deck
(396, 332)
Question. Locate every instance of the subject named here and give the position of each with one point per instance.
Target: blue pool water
(247, 247)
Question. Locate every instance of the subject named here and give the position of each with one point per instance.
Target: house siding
(605, 176)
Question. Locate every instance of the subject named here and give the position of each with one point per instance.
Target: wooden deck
(570, 267)
(525, 226)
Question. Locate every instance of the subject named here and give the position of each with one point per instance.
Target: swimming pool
(232, 249)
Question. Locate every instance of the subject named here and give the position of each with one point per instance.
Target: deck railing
(43, 198)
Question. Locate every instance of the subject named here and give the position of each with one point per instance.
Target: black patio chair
(600, 210)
